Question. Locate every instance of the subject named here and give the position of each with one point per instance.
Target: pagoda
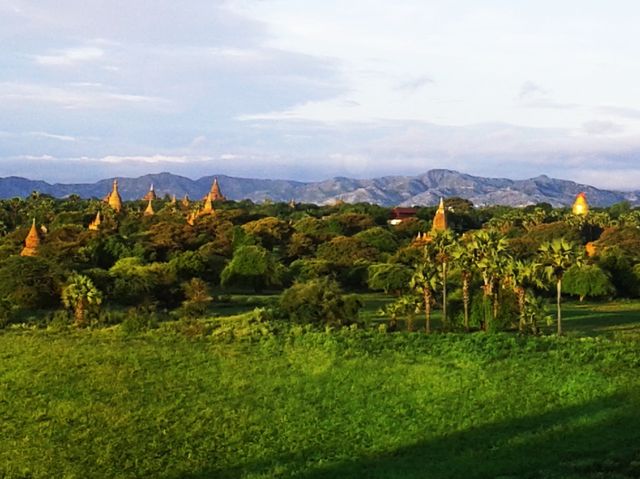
(31, 242)
(208, 205)
(95, 224)
(216, 194)
(185, 201)
(151, 194)
(149, 211)
(580, 206)
(114, 199)
(440, 218)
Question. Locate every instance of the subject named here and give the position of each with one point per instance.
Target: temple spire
(151, 194)
(95, 224)
(114, 199)
(31, 242)
(208, 205)
(440, 218)
(580, 206)
(149, 211)
(216, 194)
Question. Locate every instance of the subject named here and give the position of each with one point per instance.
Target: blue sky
(313, 89)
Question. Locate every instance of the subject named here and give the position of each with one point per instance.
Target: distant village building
(95, 224)
(151, 194)
(149, 211)
(580, 206)
(400, 214)
(114, 199)
(31, 242)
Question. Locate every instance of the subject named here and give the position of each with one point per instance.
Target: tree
(438, 250)
(319, 301)
(197, 299)
(489, 250)
(389, 277)
(558, 256)
(252, 266)
(463, 258)
(522, 275)
(587, 281)
(424, 281)
(80, 294)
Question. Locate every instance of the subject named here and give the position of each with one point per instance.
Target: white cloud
(70, 56)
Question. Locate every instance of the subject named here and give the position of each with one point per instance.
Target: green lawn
(316, 405)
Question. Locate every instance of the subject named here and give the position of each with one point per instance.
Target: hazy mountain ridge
(425, 189)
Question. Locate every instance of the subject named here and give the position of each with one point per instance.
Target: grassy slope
(96, 404)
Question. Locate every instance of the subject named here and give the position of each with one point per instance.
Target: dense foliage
(487, 272)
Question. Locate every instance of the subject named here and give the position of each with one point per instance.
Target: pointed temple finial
(149, 211)
(216, 194)
(95, 224)
(31, 242)
(440, 218)
(208, 205)
(150, 195)
(114, 199)
(580, 206)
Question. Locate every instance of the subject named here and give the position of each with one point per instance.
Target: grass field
(318, 405)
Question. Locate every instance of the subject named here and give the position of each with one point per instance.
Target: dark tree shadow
(599, 439)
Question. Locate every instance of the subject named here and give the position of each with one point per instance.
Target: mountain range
(424, 189)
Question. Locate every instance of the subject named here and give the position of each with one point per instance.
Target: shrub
(319, 302)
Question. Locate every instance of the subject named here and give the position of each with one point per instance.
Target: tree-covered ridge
(488, 270)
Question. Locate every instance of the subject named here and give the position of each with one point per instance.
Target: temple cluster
(114, 201)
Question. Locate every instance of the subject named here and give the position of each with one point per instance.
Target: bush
(319, 302)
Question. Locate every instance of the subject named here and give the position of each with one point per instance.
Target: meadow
(185, 403)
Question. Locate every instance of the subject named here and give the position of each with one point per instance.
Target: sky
(310, 89)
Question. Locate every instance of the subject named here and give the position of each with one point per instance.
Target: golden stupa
(95, 224)
(114, 199)
(31, 242)
(215, 193)
(580, 206)
(208, 205)
(151, 194)
(440, 218)
(185, 201)
(191, 218)
(149, 211)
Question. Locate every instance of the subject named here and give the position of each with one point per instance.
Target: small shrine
(580, 206)
(95, 224)
(31, 242)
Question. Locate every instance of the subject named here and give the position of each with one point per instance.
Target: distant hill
(425, 189)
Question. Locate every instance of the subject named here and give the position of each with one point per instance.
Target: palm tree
(521, 276)
(489, 250)
(438, 251)
(558, 256)
(424, 281)
(464, 259)
(79, 294)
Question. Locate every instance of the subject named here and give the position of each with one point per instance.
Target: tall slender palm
(521, 276)
(439, 251)
(424, 281)
(489, 250)
(80, 294)
(464, 259)
(558, 256)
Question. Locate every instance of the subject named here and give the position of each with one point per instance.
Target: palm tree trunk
(79, 314)
(445, 322)
(559, 298)
(465, 300)
(427, 311)
(521, 299)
